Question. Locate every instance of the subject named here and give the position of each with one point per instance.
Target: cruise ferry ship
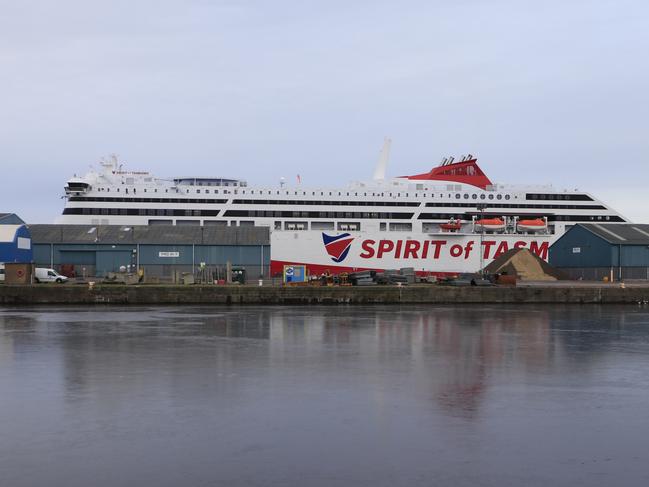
(450, 219)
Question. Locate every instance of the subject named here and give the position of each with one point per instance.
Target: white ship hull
(439, 254)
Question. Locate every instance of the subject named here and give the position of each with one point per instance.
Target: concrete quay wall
(419, 294)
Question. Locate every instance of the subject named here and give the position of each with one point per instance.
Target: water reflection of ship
(455, 352)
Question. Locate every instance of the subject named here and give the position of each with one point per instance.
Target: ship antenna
(384, 156)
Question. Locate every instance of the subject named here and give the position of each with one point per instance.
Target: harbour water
(324, 396)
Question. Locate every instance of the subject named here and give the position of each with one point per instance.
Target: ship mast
(382, 164)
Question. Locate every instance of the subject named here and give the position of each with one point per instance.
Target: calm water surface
(324, 396)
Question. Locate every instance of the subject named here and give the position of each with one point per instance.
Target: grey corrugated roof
(11, 218)
(620, 233)
(154, 234)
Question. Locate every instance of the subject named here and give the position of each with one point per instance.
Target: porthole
(499, 196)
(482, 196)
(474, 196)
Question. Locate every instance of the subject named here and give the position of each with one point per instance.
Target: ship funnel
(382, 164)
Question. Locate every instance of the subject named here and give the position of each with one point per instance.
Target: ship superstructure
(452, 197)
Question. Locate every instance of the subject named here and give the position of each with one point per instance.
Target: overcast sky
(541, 91)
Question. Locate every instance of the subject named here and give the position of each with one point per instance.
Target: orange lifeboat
(490, 225)
(532, 225)
(451, 226)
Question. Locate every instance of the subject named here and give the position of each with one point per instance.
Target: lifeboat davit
(490, 225)
(533, 225)
(451, 226)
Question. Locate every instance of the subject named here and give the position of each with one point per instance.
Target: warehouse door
(113, 260)
(77, 262)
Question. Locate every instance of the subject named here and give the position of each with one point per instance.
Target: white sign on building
(168, 254)
(24, 243)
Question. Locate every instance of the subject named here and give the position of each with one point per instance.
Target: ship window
(499, 196)
(296, 225)
(346, 226)
(118, 190)
(457, 196)
(108, 190)
(482, 196)
(507, 196)
(400, 227)
(278, 225)
(145, 190)
(474, 196)
(491, 196)
(382, 226)
(322, 225)
(198, 190)
(466, 196)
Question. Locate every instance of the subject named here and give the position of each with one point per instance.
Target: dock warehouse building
(161, 250)
(15, 240)
(593, 251)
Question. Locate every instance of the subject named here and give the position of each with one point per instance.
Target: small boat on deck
(532, 225)
(452, 225)
(490, 225)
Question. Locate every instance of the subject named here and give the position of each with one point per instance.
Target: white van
(42, 274)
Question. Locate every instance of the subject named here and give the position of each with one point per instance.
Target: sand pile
(525, 265)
